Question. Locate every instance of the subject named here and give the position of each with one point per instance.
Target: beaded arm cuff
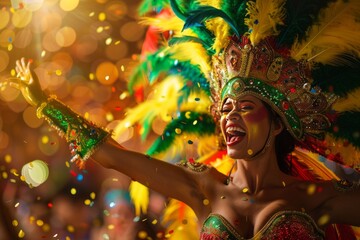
(194, 166)
(83, 136)
(346, 186)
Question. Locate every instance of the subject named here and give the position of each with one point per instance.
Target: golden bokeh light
(4, 62)
(116, 51)
(65, 37)
(48, 22)
(21, 18)
(68, 5)
(49, 42)
(6, 36)
(132, 31)
(33, 5)
(4, 18)
(23, 38)
(107, 73)
(4, 140)
(85, 46)
(64, 60)
(116, 10)
(49, 147)
(30, 118)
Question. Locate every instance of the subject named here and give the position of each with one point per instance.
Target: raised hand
(28, 83)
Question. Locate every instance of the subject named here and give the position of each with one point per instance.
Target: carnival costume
(300, 57)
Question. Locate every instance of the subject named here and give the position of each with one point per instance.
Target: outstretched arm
(168, 179)
(343, 205)
(84, 138)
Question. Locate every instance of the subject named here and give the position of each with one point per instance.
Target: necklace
(229, 179)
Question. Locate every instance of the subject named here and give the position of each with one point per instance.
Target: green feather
(183, 13)
(300, 15)
(197, 18)
(347, 128)
(236, 9)
(177, 40)
(205, 126)
(150, 69)
(152, 5)
(337, 79)
(160, 63)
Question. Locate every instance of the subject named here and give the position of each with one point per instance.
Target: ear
(278, 126)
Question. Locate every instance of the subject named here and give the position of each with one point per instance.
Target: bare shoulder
(333, 201)
(207, 180)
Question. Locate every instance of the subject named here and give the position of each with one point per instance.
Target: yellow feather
(213, 3)
(193, 52)
(139, 196)
(206, 145)
(224, 165)
(263, 18)
(349, 103)
(311, 160)
(350, 154)
(180, 148)
(162, 102)
(221, 31)
(338, 31)
(175, 215)
(197, 102)
(218, 26)
(173, 23)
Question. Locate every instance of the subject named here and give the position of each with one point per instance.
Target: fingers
(13, 82)
(23, 69)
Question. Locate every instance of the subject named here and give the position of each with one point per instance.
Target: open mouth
(234, 135)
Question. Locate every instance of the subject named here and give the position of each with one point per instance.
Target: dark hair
(284, 144)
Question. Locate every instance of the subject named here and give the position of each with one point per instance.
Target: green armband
(82, 135)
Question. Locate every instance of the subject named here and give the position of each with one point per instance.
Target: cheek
(256, 117)
(256, 122)
(223, 122)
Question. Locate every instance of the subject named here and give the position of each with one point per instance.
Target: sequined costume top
(288, 225)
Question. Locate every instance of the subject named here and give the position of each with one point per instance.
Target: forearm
(163, 177)
(86, 139)
(82, 135)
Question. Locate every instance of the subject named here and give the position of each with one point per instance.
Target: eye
(225, 110)
(246, 107)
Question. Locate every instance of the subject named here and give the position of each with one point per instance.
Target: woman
(262, 92)
(258, 200)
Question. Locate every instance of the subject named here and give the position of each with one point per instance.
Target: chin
(236, 154)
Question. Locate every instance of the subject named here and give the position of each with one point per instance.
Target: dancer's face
(245, 125)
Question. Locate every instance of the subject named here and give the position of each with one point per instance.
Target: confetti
(21, 234)
(15, 223)
(324, 219)
(311, 189)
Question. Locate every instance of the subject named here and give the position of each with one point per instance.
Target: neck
(259, 173)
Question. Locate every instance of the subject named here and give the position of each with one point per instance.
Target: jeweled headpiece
(274, 77)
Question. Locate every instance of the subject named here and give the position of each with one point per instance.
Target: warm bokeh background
(83, 52)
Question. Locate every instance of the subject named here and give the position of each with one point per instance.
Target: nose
(233, 115)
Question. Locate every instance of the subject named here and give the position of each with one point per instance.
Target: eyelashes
(246, 108)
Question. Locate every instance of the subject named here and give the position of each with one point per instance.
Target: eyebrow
(242, 101)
